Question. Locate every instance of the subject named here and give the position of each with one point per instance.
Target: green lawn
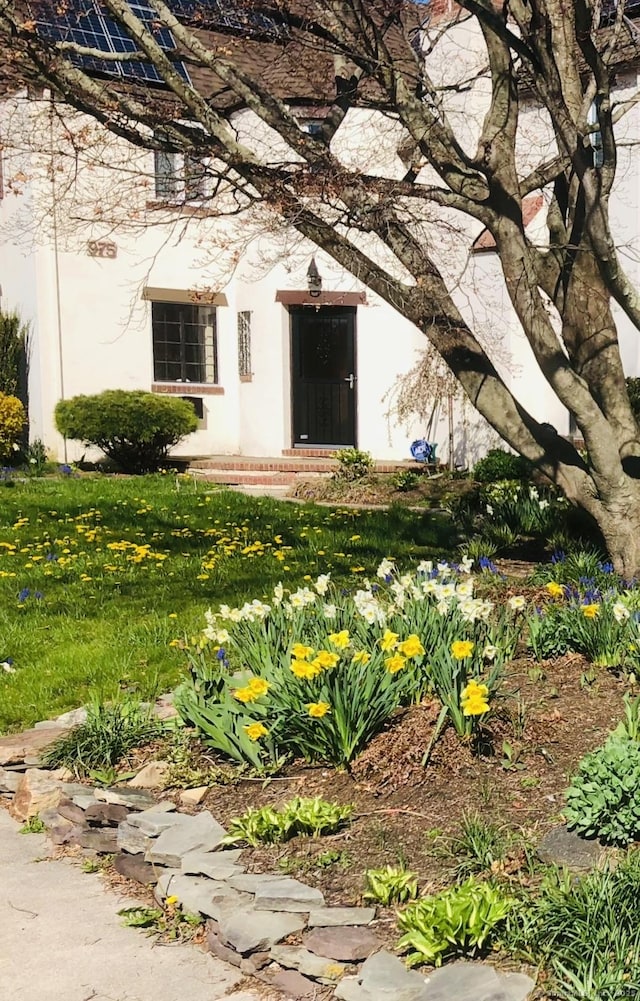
(98, 574)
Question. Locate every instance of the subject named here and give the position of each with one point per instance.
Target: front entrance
(323, 376)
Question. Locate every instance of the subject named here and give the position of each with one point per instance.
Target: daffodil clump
(316, 672)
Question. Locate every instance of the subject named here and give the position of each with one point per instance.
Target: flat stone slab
(75, 717)
(154, 822)
(151, 776)
(133, 799)
(295, 957)
(8, 780)
(253, 931)
(133, 867)
(215, 865)
(250, 881)
(334, 917)
(105, 813)
(292, 984)
(35, 792)
(477, 982)
(286, 894)
(384, 977)
(347, 945)
(566, 848)
(17, 747)
(131, 839)
(200, 895)
(203, 833)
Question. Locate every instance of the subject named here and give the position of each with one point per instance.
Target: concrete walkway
(61, 938)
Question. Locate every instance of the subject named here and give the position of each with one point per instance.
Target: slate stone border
(250, 917)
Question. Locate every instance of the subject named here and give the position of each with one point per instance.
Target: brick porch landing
(278, 470)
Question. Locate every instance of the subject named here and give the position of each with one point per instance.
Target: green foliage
(267, 825)
(390, 885)
(499, 464)
(477, 547)
(549, 632)
(352, 464)
(478, 846)
(33, 825)
(602, 800)
(461, 919)
(14, 337)
(133, 428)
(406, 480)
(586, 932)
(171, 925)
(12, 421)
(109, 733)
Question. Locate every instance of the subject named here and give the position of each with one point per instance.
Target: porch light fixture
(314, 279)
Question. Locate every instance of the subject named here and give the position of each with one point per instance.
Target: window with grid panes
(244, 342)
(184, 343)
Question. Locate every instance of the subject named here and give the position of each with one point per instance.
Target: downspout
(56, 263)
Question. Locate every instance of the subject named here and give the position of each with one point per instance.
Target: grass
(99, 574)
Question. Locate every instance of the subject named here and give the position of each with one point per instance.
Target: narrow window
(195, 175)
(244, 343)
(167, 181)
(184, 343)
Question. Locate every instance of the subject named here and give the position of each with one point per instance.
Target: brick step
(239, 463)
(242, 477)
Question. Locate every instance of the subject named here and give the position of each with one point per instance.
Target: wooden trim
(187, 388)
(246, 378)
(192, 297)
(304, 298)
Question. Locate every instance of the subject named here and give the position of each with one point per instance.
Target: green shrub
(14, 340)
(300, 816)
(352, 464)
(390, 885)
(460, 919)
(603, 800)
(105, 738)
(498, 464)
(133, 428)
(12, 421)
(406, 480)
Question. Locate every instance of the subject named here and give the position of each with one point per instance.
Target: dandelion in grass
(318, 709)
(395, 663)
(517, 603)
(389, 641)
(554, 589)
(461, 649)
(300, 651)
(341, 639)
(255, 731)
(302, 669)
(590, 611)
(474, 699)
(411, 647)
(361, 657)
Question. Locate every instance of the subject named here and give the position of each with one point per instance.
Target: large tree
(560, 56)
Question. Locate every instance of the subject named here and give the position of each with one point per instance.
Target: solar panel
(227, 16)
(87, 24)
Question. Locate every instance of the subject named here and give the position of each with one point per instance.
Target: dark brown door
(323, 375)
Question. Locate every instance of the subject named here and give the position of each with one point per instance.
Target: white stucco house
(130, 280)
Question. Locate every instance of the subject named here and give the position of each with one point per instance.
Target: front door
(323, 376)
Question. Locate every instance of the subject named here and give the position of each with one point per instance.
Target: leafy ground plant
(390, 885)
(299, 816)
(33, 826)
(170, 925)
(461, 919)
(602, 800)
(478, 847)
(585, 931)
(107, 736)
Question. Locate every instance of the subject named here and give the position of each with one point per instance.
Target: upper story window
(178, 177)
(184, 343)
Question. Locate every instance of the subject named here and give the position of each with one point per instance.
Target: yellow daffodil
(389, 641)
(474, 688)
(259, 686)
(554, 589)
(326, 659)
(318, 709)
(255, 731)
(245, 694)
(590, 611)
(341, 639)
(461, 649)
(302, 669)
(300, 651)
(361, 657)
(474, 699)
(395, 663)
(411, 647)
(475, 706)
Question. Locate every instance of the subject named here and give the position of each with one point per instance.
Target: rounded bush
(603, 800)
(133, 428)
(498, 464)
(12, 421)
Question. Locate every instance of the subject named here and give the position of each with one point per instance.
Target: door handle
(350, 379)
